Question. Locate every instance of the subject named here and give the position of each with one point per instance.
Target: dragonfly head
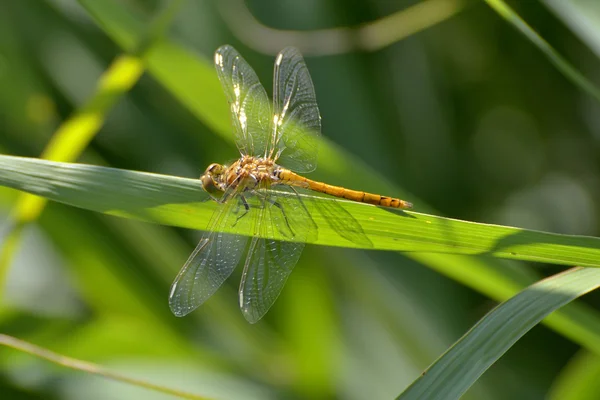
(212, 178)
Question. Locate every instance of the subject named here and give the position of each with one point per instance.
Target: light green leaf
(455, 371)
(182, 202)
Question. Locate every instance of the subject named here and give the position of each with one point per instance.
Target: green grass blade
(73, 136)
(182, 202)
(578, 380)
(91, 368)
(577, 321)
(582, 17)
(455, 371)
(195, 84)
(569, 71)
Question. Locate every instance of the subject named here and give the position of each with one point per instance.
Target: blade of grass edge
(457, 369)
(568, 70)
(89, 368)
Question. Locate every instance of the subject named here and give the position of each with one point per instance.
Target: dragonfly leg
(300, 199)
(287, 222)
(246, 209)
(263, 199)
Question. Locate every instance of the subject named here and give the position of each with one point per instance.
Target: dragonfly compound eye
(208, 183)
(214, 169)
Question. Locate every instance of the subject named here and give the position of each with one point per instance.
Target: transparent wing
(296, 124)
(270, 262)
(213, 260)
(248, 101)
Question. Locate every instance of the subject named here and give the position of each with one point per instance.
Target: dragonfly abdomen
(291, 178)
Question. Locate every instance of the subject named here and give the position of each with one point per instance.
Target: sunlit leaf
(182, 202)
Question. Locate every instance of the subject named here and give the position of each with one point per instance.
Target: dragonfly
(259, 196)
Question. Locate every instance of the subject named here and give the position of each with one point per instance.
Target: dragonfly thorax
(247, 171)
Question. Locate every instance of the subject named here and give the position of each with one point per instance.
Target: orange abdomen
(294, 179)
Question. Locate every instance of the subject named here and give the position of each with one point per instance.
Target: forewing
(211, 263)
(269, 262)
(248, 101)
(296, 124)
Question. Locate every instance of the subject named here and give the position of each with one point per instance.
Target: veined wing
(269, 262)
(248, 101)
(213, 260)
(296, 124)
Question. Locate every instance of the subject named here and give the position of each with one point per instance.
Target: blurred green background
(461, 111)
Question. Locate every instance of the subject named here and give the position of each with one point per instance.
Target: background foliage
(461, 111)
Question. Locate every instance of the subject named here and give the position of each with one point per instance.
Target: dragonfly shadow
(339, 220)
(397, 211)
